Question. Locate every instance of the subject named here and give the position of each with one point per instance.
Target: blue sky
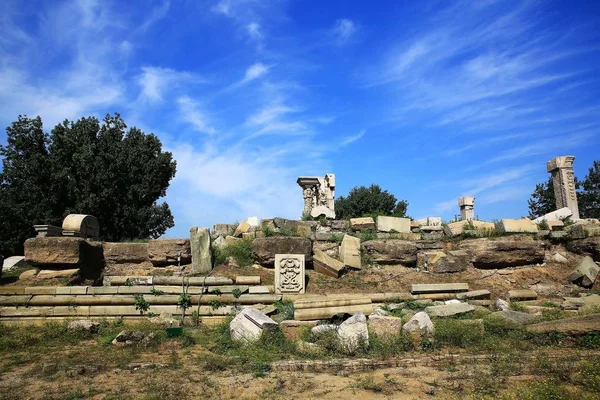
(432, 100)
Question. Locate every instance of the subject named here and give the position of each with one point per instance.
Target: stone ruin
(467, 208)
(319, 195)
(563, 180)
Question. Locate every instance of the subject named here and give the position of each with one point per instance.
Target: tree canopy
(87, 167)
(369, 200)
(542, 199)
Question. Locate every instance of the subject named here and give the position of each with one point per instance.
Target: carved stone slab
(289, 273)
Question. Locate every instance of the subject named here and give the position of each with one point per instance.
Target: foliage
(156, 292)
(285, 309)
(214, 304)
(236, 293)
(140, 303)
(184, 301)
(369, 200)
(240, 250)
(589, 197)
(84, 167)
(542, 199)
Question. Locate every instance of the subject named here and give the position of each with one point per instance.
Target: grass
(240, 250)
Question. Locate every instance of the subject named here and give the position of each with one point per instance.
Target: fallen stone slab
(223, 229)
(326, 265)
(13, 262)
(261, 289)
(320, 302)
(555, 216)
(439, 288)
(392, 251)
(354, 332)
(265, 249)
(249, 325)
(350, 252)
(389, 224)
(575, 326)
(457, 228)
(58, 251)
(360, 224)
(504, 252)
(522, 294)
(514, 318)
(475, 294)
(243, 227)
(309, 314)
(586, 273)
(320, 329)
(448, 310)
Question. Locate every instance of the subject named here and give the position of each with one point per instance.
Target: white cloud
(255, 71)
(343, 30)
(254, 31)
(155, 81)
(353, 138)
(190, 112)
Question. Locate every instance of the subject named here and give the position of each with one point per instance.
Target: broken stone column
(201, 252)
(319, 195)
(467, 208)
(563, 180)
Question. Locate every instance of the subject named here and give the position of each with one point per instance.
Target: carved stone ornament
(289, 273)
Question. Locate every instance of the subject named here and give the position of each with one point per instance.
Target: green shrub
(285, 310)
(240, 251)
(591, 340)
(140, 303)
(457, 332)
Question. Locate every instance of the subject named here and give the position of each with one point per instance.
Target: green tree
(88, 167)
(369, 200)
(542, 200)
(589, 197)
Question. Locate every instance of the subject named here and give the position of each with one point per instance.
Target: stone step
(439, 288)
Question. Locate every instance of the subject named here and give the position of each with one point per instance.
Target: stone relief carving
(289, 273)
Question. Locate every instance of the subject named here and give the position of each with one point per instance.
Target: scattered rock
(382, 325)
(243, 227)
(85, 325)
(420, 327)
(353, 332)
(586, 273)
(380, 311)
(131, 337)
(501, 305)
(319, 329)
(559, 258)
(249, 325)
(524, 225)
(223, 229)
(326, 265)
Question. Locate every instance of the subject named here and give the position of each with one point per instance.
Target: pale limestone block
(359, 224)
(557, 215)
(327, 265)
(384, 326)
(350, 252)
(524, 225)
(586, 272)
(289, 273)
(201, 250)
(354, 331)
(249, 325)
(448, 310)
(387, 224)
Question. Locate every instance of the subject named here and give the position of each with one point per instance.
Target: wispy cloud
(353, 138)
(154, 81)
(254, 71)
(191, 113)
(343, 30)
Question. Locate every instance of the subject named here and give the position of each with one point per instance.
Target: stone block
(54, 251)
(350, 252)
(438, 261)
(401, 236)
(200, 250)
(359, 224)
(388, 224)
(125, 253)
(456, 228)
(589, 246)
(392, 251)
(584, 231)
(475, 294)
(249, 325)
(524, 225)
(13, 262)
(162, 252)
(514, 318)
(265, 249)
(419, 327)
(219, 242)
(322, 211)
(289, 274)
(438, 288)
(48, 230)
(503, 252)
(586, 273)
(449, 310)
(353, 332)
(253, 222)
(429, 221)
(557, 215)
(340, 224)
(576, 326)
(385, 326)
(243, 227)
(555, 225)
(261, 289)
(327, 265)
(223, 229)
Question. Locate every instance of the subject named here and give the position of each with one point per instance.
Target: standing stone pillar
(201, 251)
(319, 195)
(467, 208)
(563, 180)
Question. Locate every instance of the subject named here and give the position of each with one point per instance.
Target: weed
(591, 340)
(240, 251)
(214, 304)
(156, 292)
(543, 225)
(368, 384)
(216, 292)
(260, 369)
(140, 303)
(128, 282)
(184, 301)
(285, 309)
(456, 332)
(236, 293)
(336, 238)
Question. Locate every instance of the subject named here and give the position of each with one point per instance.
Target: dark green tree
(88, 167)
(589, 197)
(369, 200)
(542, 200)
